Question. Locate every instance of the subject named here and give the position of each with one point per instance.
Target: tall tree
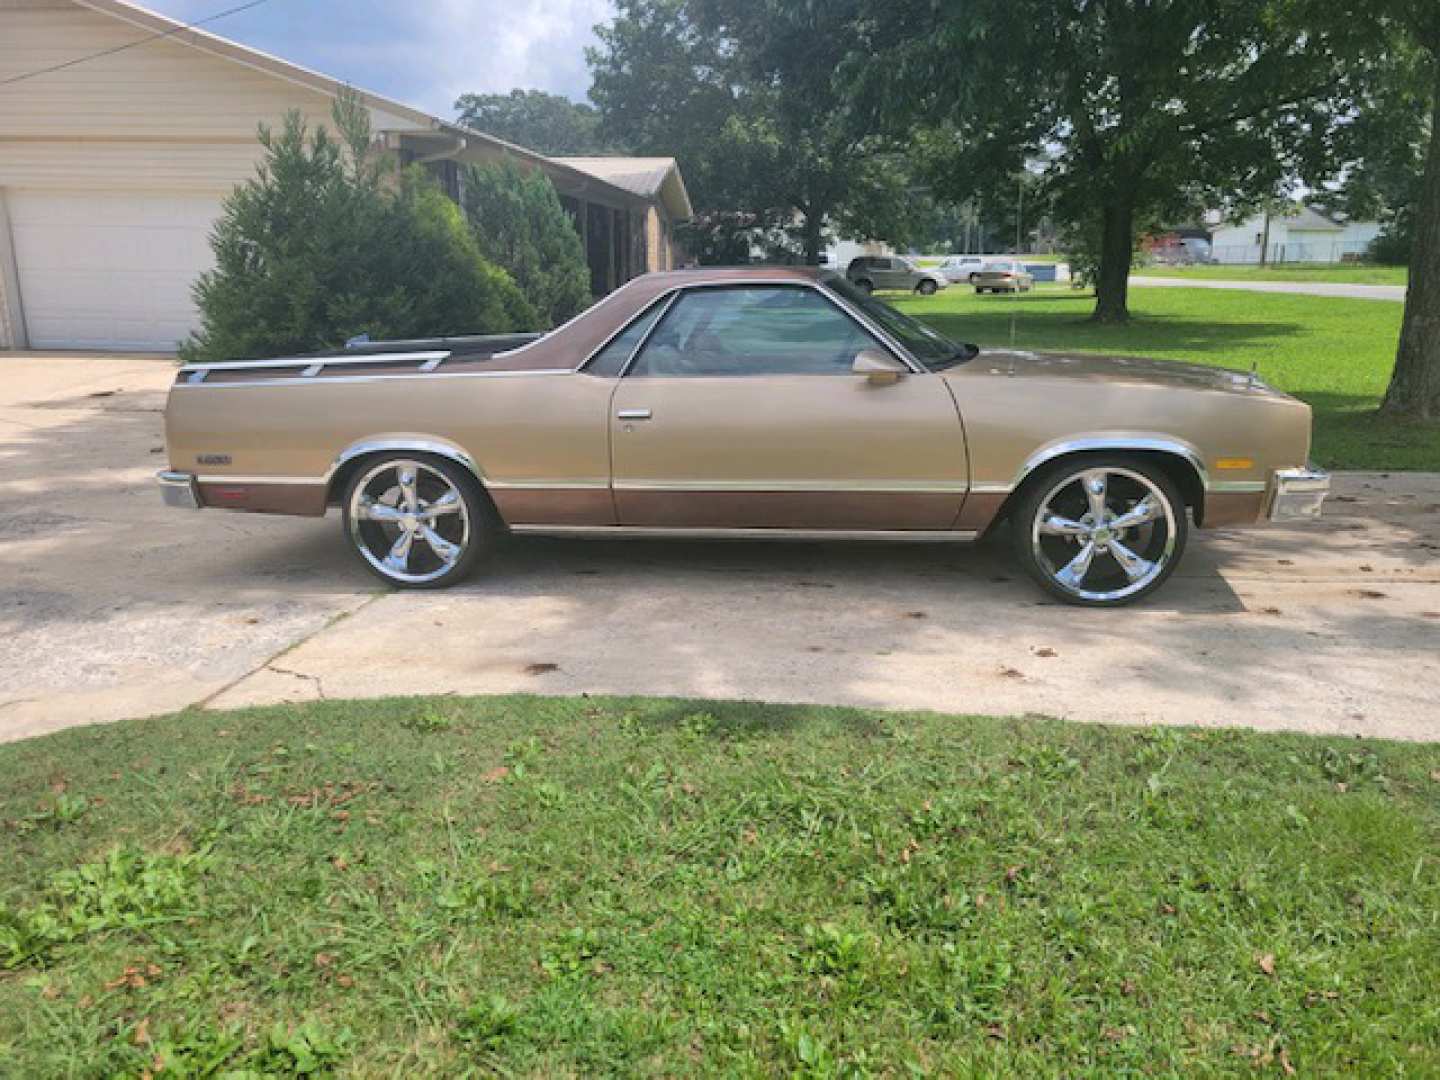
(1414, 390)
(547, 123)
(1133, 110)
(749, 105)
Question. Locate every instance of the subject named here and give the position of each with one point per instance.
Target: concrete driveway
(112, 606)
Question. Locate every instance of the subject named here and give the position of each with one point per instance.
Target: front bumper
(1297, 494)
(179, 490)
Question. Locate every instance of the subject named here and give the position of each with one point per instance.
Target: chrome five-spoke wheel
(1101, 532)
(413, 521)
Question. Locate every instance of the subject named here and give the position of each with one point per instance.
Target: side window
(754, 330)
(610, 361)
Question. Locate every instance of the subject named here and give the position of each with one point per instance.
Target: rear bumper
(179, 490)
(1297, 494)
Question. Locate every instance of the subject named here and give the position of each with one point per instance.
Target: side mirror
(878, 367)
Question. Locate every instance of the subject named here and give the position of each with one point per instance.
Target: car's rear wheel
(415, 521)
(1100, 531)
(865, 285)
(926, 288)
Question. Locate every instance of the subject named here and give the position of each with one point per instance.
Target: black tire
(474, 527)
(926, 288)
(1158, 543)
(865, 285)
(978, 290)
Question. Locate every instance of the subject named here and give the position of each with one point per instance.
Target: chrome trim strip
(662, 301)
(547, 485)
(1235, 487)
(862, 487)
(670, 299)
(885, 340)
(991, 487)
(875, 330)
(340, 379)
(308, 361)
(414, 446)
(221, 478)
(647, 532)
(1116, 442)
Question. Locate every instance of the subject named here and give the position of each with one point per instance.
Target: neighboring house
(1302, 235)
(113, 170)
(657, 181)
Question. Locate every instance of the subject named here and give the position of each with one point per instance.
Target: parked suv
(871, 272)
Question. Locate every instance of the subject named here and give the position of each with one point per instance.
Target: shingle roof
(648, 177)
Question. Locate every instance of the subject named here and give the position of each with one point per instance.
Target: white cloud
(424, 52)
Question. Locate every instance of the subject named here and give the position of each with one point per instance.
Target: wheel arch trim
(1121, 443)
(418, 444)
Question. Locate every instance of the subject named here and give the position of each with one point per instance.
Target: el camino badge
(212, 459)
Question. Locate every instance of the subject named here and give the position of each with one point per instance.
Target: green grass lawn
(1348, 273)
(1336, 354)
(576, 887)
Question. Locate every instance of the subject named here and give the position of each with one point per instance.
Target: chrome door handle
(633, 414)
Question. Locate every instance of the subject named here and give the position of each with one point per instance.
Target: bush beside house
(325, 243)
(519, 224)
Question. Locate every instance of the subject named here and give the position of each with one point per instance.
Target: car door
(886, 274)
(741, 410)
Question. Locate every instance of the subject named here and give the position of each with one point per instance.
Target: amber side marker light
(1234, 463)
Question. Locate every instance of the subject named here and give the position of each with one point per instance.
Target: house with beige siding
(121, 132)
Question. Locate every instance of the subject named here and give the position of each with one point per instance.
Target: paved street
(112, 606)
(1304, 288)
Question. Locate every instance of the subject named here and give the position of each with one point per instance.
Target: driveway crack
(269, 663)
(319, 686)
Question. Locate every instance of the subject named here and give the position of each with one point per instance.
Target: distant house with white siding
(112, 170)
(1302, 235)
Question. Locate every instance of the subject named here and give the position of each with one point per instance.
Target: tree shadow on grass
(1167, 337)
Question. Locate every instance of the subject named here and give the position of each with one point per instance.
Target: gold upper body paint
(554, 443)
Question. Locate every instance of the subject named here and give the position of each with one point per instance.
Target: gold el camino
(755, 402)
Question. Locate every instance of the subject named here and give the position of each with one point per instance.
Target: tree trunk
(1415, 386)
(813, 223)
(1117, 247)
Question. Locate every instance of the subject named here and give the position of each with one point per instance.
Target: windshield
(932, 349)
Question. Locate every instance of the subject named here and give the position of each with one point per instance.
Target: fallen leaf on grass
(490, 776)
(141, 1037)
(1285, 1063)
(323, 960)
(1266, 963)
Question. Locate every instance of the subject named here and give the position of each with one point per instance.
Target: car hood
(1022, 364)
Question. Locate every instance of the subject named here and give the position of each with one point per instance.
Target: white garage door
(109, 271)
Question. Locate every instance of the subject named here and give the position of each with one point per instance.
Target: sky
(425, 53)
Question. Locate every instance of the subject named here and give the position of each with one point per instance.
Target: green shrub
(323, 244)
(519, 224)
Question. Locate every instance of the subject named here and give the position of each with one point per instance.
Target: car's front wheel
(416, 521)
(1100, 531)
(926, 288)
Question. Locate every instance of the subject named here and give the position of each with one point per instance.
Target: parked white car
(956, 268)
